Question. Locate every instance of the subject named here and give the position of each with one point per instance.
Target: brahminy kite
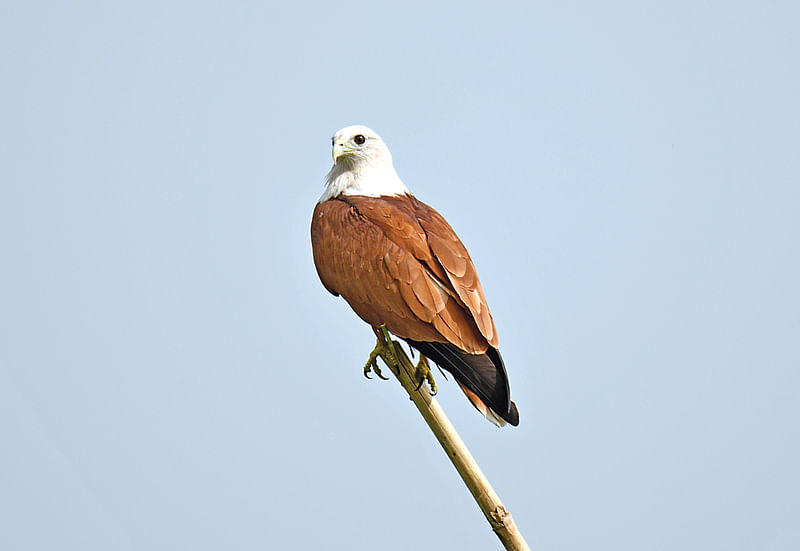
(399, 264)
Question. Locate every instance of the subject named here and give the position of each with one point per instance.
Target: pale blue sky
(174, 376)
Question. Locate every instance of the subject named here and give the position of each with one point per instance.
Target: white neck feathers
(372, 178)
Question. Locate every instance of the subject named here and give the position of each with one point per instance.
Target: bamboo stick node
(496, 514)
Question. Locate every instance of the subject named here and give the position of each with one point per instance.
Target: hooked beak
(339, 150)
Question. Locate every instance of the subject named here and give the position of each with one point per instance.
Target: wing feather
(397, 262)
(340, 233)
(460, 270)
(429, 242)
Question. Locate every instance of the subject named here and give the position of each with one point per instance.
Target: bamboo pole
(498, 516)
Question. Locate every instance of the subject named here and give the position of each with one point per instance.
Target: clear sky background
(174, 376)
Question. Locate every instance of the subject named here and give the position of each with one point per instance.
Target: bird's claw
(386, 352)
(384, 349)
(423, 374)
(372, 366)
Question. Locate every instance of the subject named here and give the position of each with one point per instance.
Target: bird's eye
(359, 139)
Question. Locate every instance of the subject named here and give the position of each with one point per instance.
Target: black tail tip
(513, 415)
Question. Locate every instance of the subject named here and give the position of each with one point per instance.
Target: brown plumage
(397, 262)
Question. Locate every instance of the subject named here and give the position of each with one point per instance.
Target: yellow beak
(339, 150)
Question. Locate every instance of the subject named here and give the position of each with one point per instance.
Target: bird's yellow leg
(424, 374)
(384, 349)
(372, 362)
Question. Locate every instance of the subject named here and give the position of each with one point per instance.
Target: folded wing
(397, 262)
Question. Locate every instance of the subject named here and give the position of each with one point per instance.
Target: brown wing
(375, 254)
(454, 258)
(420, 230)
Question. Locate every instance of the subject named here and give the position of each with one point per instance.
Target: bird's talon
(424, 375)
(372, 365)
(385, 351)
(377, 371)
(432, 384)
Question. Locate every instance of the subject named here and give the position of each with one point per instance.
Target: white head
(362, 165)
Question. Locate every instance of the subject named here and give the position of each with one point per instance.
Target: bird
(399, 264)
